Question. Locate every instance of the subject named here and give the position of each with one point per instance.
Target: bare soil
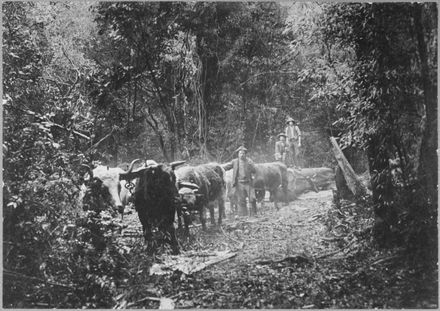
(272, 234)
(308, 254)
(261, 243)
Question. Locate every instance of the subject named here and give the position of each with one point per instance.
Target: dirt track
(258, 276)
(273, 234)
(281, 259)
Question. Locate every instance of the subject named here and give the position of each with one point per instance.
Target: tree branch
(78, 73)
(101, 140)
(16, 275)
(50, 123)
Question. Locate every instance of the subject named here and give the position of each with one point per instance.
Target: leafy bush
(74, 258)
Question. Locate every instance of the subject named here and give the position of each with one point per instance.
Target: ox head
(188, 193)
(104, 184)
(149, 165)
(154, 178)
(96, 195)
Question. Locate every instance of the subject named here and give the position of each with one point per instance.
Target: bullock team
(160, 191)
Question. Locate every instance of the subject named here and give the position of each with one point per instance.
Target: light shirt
(292, 132)
(280, 147)
(241, 169)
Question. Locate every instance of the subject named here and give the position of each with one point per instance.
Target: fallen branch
(240, 244)
(265, 240)
(316, 216)
(194, 254)
(193, 293)
(328, 254)
(212, 292)
(335, 252)
(382, 260)
(214, 261)
(308, 307)
(142, 300)
(188, 265)
(299, 259)
(337, 238)
(340, 212)
(226, 235)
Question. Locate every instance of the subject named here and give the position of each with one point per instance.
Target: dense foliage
(114, 81)
(191, 69)
(387, 108)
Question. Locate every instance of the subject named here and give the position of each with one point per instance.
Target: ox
(307, 179)
(322, 177)
(210, 179)
(155, 199)
(270, 177)
(103, 182)
(125, 194)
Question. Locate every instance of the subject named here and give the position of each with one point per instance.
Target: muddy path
(272, 263)
(294, 257)
(294, 228)
(276, 234)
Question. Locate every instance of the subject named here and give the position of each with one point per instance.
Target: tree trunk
(352, 181)
(382, 189)
(428, 168)
(114, 150)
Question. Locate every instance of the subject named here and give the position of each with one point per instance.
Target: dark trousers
(243, 191)
(293, 153)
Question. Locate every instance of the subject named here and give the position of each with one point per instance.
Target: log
(189, 264)
(298, 259)
(353, 182)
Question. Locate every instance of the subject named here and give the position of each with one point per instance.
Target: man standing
(293, 135)
(281, 148)
(243, 169)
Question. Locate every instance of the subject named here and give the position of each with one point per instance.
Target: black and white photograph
(219, 155)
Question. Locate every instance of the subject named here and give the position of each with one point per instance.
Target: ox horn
(130, 168)
(176, 163)
(150, 163)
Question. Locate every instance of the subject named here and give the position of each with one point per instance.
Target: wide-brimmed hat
(241, 148)
(290, 119)
(281, 134)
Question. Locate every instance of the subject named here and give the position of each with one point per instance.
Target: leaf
(14, 55)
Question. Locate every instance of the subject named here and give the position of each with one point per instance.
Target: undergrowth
(356, 274)
(89, 264)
